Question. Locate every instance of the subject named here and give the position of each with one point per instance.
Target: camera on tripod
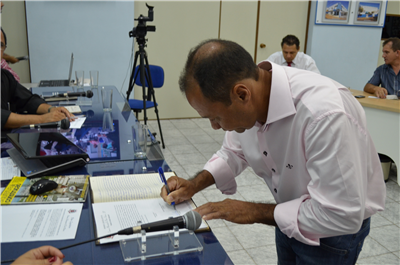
(140, 31)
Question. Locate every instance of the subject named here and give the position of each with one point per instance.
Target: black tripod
(145, 75)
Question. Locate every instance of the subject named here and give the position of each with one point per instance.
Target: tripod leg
(142, 80)
(152, 94)
(132, 78)
(158, 118)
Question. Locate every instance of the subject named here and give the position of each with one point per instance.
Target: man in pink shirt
(304, 134)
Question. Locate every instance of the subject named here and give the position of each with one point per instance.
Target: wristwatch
(49, 109)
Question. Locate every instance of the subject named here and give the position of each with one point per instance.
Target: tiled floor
(191, 142)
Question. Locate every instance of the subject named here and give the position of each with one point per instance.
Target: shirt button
(276, 191)
(265, 153)
(273, 170)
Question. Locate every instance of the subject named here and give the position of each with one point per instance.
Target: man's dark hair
(4, 35)
(290, 40)
(395, 43)
(217, 70)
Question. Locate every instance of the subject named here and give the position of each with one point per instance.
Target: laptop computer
(55, 83)
(44, 153)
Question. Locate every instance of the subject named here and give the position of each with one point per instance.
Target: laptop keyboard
(59, 83)
(54, 83)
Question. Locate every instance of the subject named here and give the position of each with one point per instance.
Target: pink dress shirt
(314, 153)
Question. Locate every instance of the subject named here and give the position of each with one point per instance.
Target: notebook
(44, 153)
(55, 83)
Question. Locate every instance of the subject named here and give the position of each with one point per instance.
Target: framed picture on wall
(368, 12)
(336, 12)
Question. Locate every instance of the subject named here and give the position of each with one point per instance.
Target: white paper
(114, 216)
(387, 97)
(391, 97)
(40, 222)
(9, 169)
(74, 109)
(77, 123)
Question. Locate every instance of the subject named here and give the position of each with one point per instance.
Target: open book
(120, 201)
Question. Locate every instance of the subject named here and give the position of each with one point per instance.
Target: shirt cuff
(285, 215)
(223, 175)
(4, 117)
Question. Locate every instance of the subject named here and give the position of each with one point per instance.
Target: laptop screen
(98, 142)
(44, 144)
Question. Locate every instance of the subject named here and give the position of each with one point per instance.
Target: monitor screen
(392, 26)
(98, 143)
(43, 144)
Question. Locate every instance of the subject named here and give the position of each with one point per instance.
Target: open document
(110, 217)
(40, 222)
(120, 201)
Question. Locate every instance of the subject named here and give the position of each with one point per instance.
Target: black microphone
(191, 220)
(87, 94)
(63, 124)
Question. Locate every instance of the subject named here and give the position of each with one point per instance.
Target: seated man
(16, 99)
(290, 55)
(386, 75)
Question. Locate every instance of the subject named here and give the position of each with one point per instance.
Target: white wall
(180, 25)
(95, 31)
(346, 54)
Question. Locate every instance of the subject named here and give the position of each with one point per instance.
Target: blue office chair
(137, 105)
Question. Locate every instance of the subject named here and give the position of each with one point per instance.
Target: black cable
(73, 245)
(87, 241)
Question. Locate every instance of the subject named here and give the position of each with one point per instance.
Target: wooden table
(383, 123)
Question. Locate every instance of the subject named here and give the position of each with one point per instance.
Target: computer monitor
(99, 144)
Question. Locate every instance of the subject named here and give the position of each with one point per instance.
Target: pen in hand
(161, 173)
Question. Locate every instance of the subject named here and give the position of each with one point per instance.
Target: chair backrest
(157, 76)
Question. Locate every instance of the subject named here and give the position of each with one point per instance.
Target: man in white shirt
(304, 134)
(290, 55)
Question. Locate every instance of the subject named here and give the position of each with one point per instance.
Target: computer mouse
(42, 186)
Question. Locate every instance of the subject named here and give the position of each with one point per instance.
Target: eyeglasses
(3, 46)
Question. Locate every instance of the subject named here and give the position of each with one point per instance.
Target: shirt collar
(280, 101)
(296, 60)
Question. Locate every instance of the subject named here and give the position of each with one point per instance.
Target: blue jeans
(337, 250)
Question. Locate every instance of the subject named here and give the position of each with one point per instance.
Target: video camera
(140, 31)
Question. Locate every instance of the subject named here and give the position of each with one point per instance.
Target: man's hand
(64, 111)
(181, 190)
(239, 212)
(52, 116)
(380, 92)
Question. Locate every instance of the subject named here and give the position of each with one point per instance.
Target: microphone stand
(172, 243)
